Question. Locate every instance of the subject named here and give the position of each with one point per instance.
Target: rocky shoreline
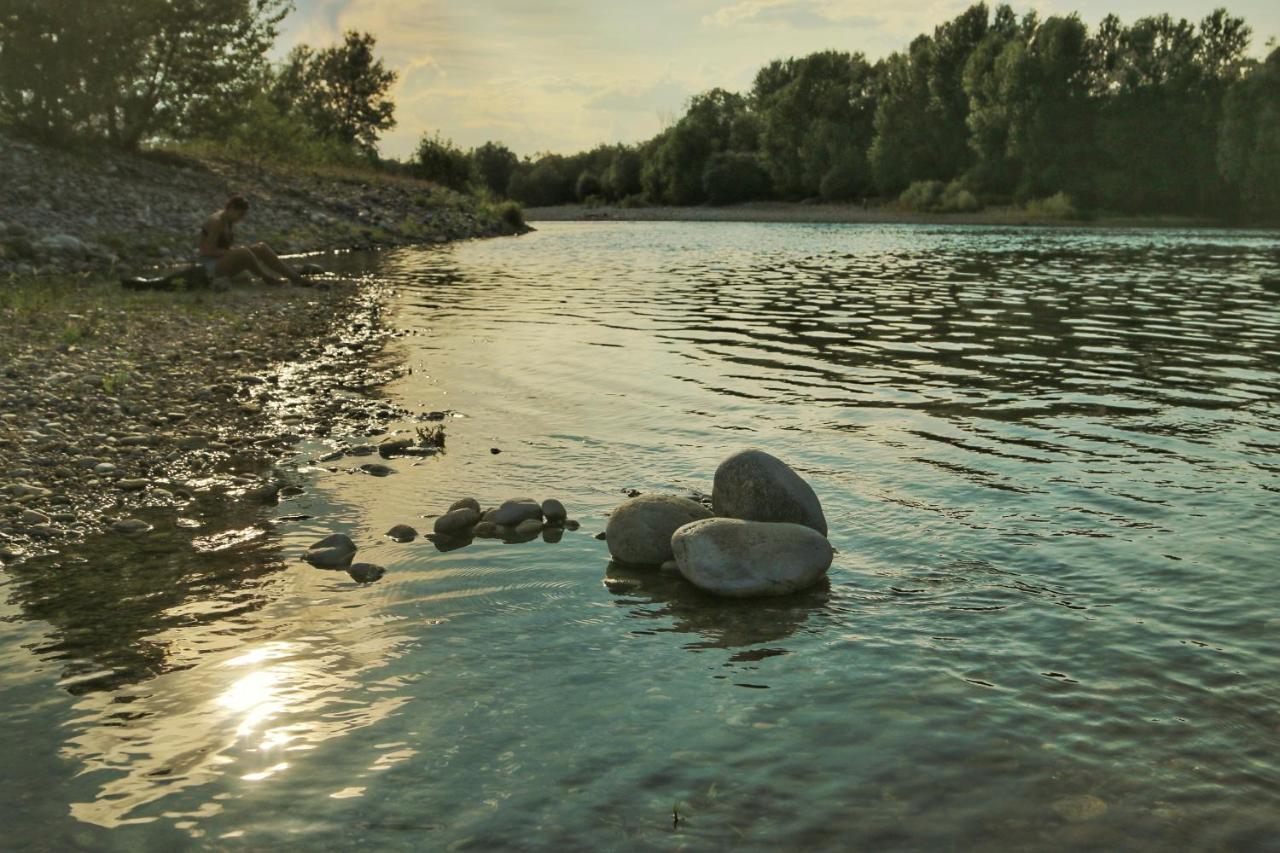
(107, 212)
(117, 406)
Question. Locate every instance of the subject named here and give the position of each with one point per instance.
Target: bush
(842, 182)
(957, 199)
(922, 196)
(541, 184)
(1057, 206)
(511, 213)
(588, 186)
(935, 197)
(731, 177)
(441, 161)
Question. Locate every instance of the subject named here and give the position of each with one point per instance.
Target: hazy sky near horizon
(565, 75)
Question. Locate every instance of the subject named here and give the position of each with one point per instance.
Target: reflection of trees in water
(111, 599)
(721, 623)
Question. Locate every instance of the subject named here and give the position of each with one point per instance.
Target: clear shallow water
(1048, 460)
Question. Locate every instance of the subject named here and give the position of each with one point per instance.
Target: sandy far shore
(837, 213)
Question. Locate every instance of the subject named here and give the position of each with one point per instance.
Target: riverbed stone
(755, 486)
(456, 521)
(375, 469)
(554, 511)
(512, 512)
(529, 525)
(332, 552)
(462, 503)
(136, 484)
(746, 559)
(403, 533)
(365, 572)
(130, 526)
(394, 447)
(639, 530)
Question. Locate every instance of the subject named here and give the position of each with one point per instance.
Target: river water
(1049, 460)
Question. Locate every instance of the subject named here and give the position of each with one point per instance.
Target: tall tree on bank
(341, 91)
(1249, 139)
(128, 70)
(816, 119)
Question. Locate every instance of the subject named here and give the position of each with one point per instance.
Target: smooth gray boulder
(754, 486)
(554, 511)
(746, 559)
(639, 531)
(456, 521)
(402, 533)
(465, 502)
(511, 513)
(529, 525)
(365, 572)
(331, 552)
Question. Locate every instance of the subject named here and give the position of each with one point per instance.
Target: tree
(439, 160)
(673, 171)
(816, 116)
(541, 183)
(341, 91)
(1249, 139)
(494, 164)
(622, 178)
(732, 177)
(129, 70)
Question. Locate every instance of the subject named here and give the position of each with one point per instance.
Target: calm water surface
(1050, 460)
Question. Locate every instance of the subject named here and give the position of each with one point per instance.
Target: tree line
(1157, 116)
(130, 72)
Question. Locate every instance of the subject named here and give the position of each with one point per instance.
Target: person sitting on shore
(221, 258)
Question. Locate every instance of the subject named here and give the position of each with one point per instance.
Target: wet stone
(130, 526)
(458, 520)
(402, 533)
(375, 469)
(365, 572)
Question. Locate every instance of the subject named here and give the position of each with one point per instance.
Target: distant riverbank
(836, 213)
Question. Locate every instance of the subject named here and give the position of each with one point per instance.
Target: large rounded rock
(753, 486)
(744, 559)
(639, 531)
(331, 552)
(511, 513)
(456, 521)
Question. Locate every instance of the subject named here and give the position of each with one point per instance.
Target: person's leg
(238, 260)
(272, 261)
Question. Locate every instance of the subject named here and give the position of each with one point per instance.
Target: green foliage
(129, 70)
(588, 186)
(541, 184)
(439, 160)
(510, 213)
(259, 134)
(1056, 206)
(622, 178)
(815, 112)
(1249, 139)
(494, 163)
(673, 172)
(732, 177)
(340, 90)
(937, 197)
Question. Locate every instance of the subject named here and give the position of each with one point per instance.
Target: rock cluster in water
(513, 520)
(764, 535)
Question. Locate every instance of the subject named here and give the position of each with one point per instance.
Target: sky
(566, 75)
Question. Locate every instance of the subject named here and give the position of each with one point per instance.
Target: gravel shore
(119, 408)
